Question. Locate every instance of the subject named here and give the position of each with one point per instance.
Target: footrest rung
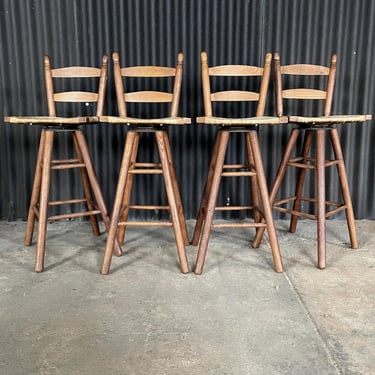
(74, 215)
(143, 224)
(148, 207)
(239, 225)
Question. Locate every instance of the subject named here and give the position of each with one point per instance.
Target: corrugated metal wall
(79, 32)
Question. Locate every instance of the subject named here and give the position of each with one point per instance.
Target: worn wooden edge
(326, 120)
(44, 120)
(250, 121)
(139, 121)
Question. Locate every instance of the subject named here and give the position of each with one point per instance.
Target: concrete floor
(239, 317)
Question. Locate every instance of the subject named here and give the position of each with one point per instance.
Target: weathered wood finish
(218, 169)
(149, 121)
(93, 198)
(129, 165)
(311, 127)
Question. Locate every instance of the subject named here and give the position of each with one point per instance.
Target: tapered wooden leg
(279, 177)
(301, 180)
(206, 191)
(163, 153)
(223, 138)
(267, 211)
(321, 196)
(43, 203)
(125, 163)
(128, 190)
(35, 192)
(86, 186)
(350, 218)
(176, 190)
(253, 181)
(94, 183)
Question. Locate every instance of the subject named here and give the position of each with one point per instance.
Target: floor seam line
(327, 349)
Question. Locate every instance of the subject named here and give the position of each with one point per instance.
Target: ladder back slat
(75, 72)
(305, 69)
(75, 96)
(304, 94)
(234, 95)
(148, 71)
(235, 70)
(148, 97)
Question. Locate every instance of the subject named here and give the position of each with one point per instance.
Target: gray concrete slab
(239, 317)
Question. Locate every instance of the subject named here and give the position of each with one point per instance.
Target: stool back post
(49, 86)
(102, 86)
(206, 86)
(330, 86)
(264, 85)
(278, 85)
(177, 86)
(119, 85)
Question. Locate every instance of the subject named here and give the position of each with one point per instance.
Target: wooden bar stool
(130, 166)
(253, 166)
(92, 203)
(319, 128)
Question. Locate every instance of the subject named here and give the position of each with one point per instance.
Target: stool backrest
(75, 96)
(259, 96)
(304, 92)
(147, 96)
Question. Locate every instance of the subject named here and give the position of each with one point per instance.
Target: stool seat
(250, 121)
(51, 120)
(152, 121)
(328, 120)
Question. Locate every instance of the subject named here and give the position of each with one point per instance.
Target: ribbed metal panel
(79, 32)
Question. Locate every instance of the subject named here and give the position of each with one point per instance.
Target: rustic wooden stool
(318, 128)
(253, 167)
(92, 204)
(131, 167)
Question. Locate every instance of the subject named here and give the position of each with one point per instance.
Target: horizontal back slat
(148, 97)
(75, 72)
(234, 96)
(305, 69)
(75, 96)
(304, 94)
(235, 70)
(148, 71)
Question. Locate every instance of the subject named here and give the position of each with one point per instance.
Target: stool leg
(206, 191)
(267, 211)
(279, 177)
(86, 186)
(35, 195)
(253, 182)
(123, 173)
(43, 204)
(166, 166)
(301, 180)
(321, 196)
(176, 190)
(128, 190)
(222, 139)
(93, 180)
(350, 218)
